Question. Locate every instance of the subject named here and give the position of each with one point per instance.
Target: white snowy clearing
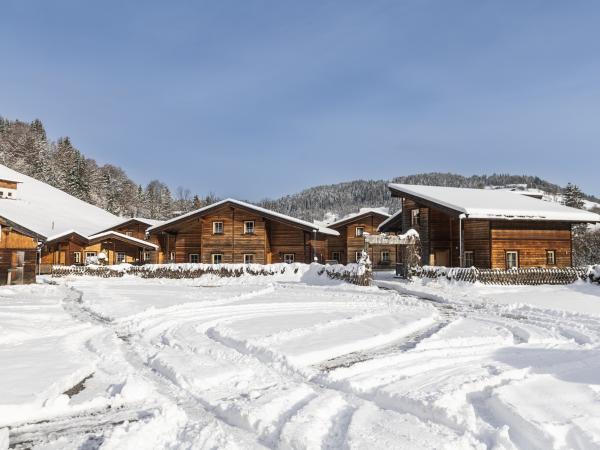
(298, 361)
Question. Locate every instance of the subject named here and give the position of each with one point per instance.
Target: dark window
(468, 259)
(248, 258)
(194, 258)
(249, 227)
(217, 258)
(288, 258)
(360, 231)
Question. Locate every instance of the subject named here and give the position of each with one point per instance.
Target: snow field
(255, 362)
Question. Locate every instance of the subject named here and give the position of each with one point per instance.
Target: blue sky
(256, 99)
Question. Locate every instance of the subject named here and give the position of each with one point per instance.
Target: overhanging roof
(357, 216)
(278, 217)
(126, 221)
(491, 204)
(121, 237)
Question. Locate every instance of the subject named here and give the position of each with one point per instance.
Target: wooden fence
(523, 276)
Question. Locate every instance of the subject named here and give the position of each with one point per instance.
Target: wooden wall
(348, 243)
(531, 240)
(269, 243)
(11, 243)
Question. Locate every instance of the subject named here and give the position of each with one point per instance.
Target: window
(10, 194)
(512, 260)
(90, 254)
(249, 227)
(468, 259)
(550, 257)
(385, 257)
(249, 258)
(217, 258)
(217, 227)
(336, 256)
(77, 257)
(357, 256)
(288, 258)
(129, 233)
(120, 257)
(360, 231)
(147, 256)
(415, 217)
(194, 258)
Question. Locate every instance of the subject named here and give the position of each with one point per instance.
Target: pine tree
(573, 197)
(196, 203)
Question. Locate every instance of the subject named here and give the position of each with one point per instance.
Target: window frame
(472, 254)
(77, 257)
(213, 257)
(197, 257)
(553, 253)
(251, 255)
(214, 227)
(511, 252)
(385, 260)
(118, 255)
(357, 256)
(415, 217)
(333, 254)
(246, 222)
(288, 260)
(362, 231)
(91, 254)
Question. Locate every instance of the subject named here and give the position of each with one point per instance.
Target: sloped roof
(389, 221)
(493, 204)
(47, 211)
(364, 212)
(122, 237)
(263, 211)
(123, 221)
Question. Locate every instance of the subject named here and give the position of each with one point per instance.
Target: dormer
(8, 189)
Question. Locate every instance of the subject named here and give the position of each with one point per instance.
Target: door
(441, 258)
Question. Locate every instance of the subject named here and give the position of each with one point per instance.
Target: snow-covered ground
(295, 361)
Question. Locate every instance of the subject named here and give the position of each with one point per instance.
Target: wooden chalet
(486, 228)
(18, 253)
(347, 247)
(231, 231)
(124, 242)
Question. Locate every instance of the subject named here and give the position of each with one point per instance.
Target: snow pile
(594, 273)
(355, 273)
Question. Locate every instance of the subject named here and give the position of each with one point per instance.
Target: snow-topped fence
(359, 274)
(522, 276)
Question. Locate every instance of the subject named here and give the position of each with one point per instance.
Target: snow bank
(355, 273)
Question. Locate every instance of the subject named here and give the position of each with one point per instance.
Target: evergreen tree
(196, 203)
(573, 197)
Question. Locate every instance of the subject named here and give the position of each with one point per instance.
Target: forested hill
(25, 147)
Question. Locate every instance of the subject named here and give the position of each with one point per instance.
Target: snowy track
(289, 365)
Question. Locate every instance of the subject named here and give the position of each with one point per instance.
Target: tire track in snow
(194, 409)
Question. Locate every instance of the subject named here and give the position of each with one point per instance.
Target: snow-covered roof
(494, 204)
(123, 237)
(59, 236)
(122, 221)
(381, 211)
(258, 209)
(390, 219)
(47, 211)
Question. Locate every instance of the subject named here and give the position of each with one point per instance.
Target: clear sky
(261, 98)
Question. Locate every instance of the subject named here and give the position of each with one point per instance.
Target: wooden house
(231, 231)
(486, 228)
(18, 254)
(347, 247)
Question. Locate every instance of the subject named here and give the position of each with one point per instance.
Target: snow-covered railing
(357, 273)
(523, 276)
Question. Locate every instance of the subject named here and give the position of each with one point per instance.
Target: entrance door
(441, 258)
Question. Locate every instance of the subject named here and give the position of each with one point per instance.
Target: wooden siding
(531, 240)
(8, 184)
(347, 243)
(13, 243)
(476, 240)
(285, 239)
